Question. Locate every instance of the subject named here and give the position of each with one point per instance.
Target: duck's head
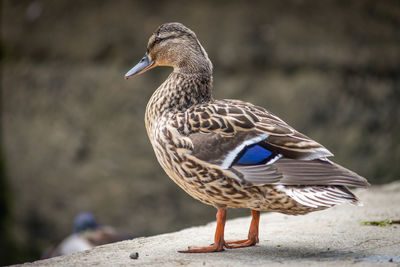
(174, 45)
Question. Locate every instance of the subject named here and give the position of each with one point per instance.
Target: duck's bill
(144, 64)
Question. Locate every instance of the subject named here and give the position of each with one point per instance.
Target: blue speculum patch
(255, 154)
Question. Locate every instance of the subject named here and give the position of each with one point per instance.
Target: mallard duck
(230, 153)
(87, 234)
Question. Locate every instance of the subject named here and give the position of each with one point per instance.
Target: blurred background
(72, 129)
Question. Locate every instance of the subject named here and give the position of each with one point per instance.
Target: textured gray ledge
(333, 237)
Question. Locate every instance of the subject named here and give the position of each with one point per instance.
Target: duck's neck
(179, 92)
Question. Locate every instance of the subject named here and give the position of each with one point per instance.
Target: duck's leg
(253, 233)
(219, 241)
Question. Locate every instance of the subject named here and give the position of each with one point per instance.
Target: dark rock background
(73, 135)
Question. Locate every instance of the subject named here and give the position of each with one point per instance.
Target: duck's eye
(157, 40)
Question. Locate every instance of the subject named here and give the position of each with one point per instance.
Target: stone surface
(333, 237)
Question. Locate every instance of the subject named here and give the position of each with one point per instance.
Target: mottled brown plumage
(230, 153)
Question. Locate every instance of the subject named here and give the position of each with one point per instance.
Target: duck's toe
(241, 243)
(207, 249)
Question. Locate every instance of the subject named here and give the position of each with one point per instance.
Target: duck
(230, 153)
(87, 233)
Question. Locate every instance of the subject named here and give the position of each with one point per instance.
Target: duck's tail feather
(320, 196)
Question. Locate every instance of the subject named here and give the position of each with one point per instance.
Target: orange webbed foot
(253, 234)
(219, 235)
(212, 248)
(241, 243)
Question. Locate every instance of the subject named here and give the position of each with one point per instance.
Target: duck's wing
(259, 147)
(299, 172)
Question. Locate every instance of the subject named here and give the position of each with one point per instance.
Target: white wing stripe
(233, 153)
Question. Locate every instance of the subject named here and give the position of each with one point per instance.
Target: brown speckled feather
(230, 153)
(201, 143)
(242, 120)
(218, 128)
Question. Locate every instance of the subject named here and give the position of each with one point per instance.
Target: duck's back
(232, 153)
